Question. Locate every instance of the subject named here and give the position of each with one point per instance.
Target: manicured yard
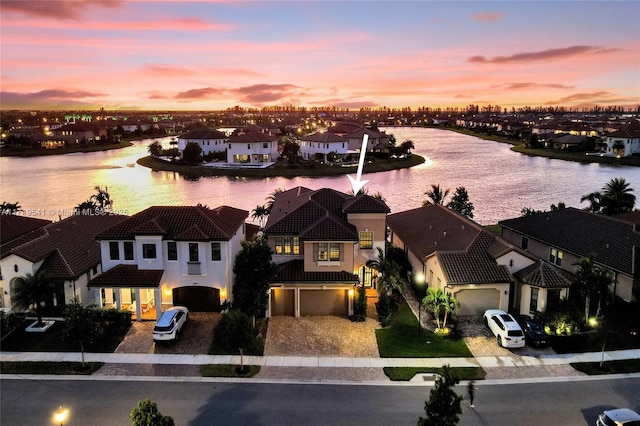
(401, 340)
(226, 370)
(407, 373)
(52, 341)
(608, 367)
(45, 367)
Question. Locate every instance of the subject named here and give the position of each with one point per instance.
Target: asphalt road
(32, 402)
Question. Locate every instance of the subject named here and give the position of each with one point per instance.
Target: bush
(235, 331)
(360, 305)
(114, 322)
(147, 414)
(386, 308)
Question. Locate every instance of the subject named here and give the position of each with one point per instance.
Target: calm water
(500, 183)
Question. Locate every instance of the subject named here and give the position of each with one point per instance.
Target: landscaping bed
(46, 367)
(407, 373)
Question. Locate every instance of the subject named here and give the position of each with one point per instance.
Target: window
(555, 256)
(215, 251)
(148, 251)
(265, 145)
(114, 250)
(525, 243)
(172, 250)
(334, 251)
(533, 303)
(94, 270)
(323, 252)
(288, 245)
(194, 256)
(366, 239)
(128, 250)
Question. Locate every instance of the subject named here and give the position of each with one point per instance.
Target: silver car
(170, 323)
(619, 417)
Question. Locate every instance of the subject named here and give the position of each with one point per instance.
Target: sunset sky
(170, 55)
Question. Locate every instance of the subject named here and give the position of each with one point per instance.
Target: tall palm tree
(435, 195)
(102, 198)
(617, 197)
(272, 198)
(260, 213)
(593, 281)
(33, 289)
(389, 272)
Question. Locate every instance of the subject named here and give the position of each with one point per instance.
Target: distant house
(623, 142)
(79, 133)
(321, 241)
(209, 140)
(252, 148)
(169, 255)
(567, 142)
(377, 140)
(563, 237)
(322, 144)
(65, 249)
(458, 256)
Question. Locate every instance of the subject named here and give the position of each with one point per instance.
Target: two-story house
(252, 149)
(66, 250)
(322, 144)
(209, 140)
(321, 241)
(623, 142)
(169, 255)
(563, 237)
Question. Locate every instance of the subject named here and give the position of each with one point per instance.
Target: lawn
(52, 341)
(46, 367)
(401, 340)
(608, 367)
(407, 373)
(226, 370)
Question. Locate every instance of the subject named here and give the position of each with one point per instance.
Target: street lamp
(61, 415)
(419, 279)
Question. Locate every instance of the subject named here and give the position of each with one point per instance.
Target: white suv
(506, 329)
(170, 323)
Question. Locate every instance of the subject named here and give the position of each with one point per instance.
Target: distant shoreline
(12, 152)
(286, 170)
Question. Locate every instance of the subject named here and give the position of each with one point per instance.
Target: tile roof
(320, 214)
(67, 247)
(582, 233)
(13, 226)
(180, 223)
(203, 133)
(326, 137)
(251, 137)
(128, 276)
(631, 217)
(545, 275)
(293, 271)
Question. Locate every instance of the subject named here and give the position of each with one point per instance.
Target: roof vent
(444, 234)
(430, 227)
(462, 227)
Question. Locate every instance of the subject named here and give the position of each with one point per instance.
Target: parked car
(170, 323)
(618, 417)
(534, 334)
(506, 329)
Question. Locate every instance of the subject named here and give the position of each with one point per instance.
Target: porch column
(157, 294)
(268, 313)
(116, 298)
(138, 305)
(99, 300)
(296, 303)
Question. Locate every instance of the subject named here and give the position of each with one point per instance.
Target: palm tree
(593, 281)
(154, 149)
(102, 198)
(389, 271)
(10, 208)
(85, 207)
(436, 195)
(272, 198)
(260, 213)
(433, 302)
(33, 289)
(450, 305)
(617, 197)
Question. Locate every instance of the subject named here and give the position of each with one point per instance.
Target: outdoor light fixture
(61, 415)
(15, 268)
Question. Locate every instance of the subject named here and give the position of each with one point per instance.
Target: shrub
(147, 414)
(235, 331)
(114, 322)
(386, 308)
(360, 305)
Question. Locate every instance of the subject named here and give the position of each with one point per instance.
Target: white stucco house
(169, 255)
(323, 144)
(209, 140)
(251, 149)
(623, 142)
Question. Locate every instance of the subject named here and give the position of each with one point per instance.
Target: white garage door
(476, 301)
(324, 302)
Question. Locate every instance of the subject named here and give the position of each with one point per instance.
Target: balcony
(193, 268)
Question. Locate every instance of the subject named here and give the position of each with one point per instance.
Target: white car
(170, 323)
(506, 329)
(618, 417)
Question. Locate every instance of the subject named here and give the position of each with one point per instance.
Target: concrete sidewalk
(321, 361)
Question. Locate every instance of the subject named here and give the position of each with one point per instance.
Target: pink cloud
(532, 86)
(166, 70)
(260, 93)
(57, 9)
(601, 96)
(488, 16)
(183, 24)
(543, 55)
(199, 94)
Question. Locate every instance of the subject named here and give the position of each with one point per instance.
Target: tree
(155, 149)
(253, 268)
(443, 408)
(86, 207)
(450, 305)
(10, 208)
(191, 153)
(34, 290)
(435, 195)
(460, 202)
(407, 146)
(360, 304)
(102, 199)
(290, 150)
(271, 198)
(81, 325)
(389, 272)
(235, 331)
(147, 414)
(260, 213)
(433, 302)
(614, 198)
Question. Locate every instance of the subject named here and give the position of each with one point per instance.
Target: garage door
(324, 302)
(197, 298)
(475, 302)
(282, 302)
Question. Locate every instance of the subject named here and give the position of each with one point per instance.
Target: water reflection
(500, 183)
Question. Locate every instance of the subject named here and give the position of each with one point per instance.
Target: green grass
(52, 341)
(576, 156)
(407, 373)
(8, 151)
(608, 367)
(285, 170)
(494, 229)
(401, 340)
(46, 367)
(226, 370)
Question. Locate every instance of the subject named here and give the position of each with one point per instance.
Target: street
(32, 402)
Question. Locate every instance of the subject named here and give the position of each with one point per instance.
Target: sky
(211, 55)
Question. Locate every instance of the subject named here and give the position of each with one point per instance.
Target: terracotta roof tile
(326, 137)
(543, 274)
(13, 226)
(251, 137)
(128, 276)
(293, 271)
(203, 133)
